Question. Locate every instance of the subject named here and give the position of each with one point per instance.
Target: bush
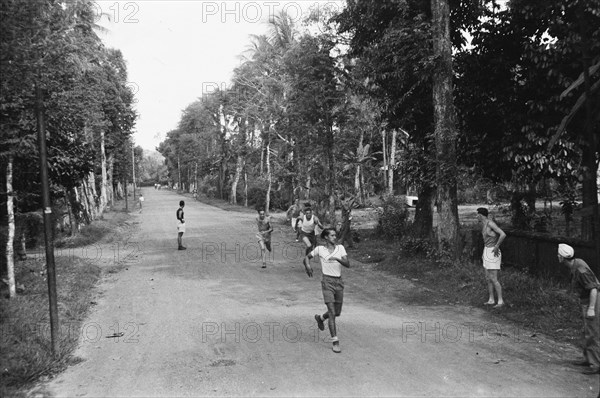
(393, 218)
(411, 246)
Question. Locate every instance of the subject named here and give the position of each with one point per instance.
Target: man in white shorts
(180, 225)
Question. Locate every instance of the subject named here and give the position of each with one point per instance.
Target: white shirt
(328, 266)
(308, 226)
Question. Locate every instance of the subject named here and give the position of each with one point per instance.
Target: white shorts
(490, 261)
(180, 226)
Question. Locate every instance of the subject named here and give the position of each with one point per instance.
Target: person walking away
(180, 226)
(307, 229)
(141, 202)
(492, 257)
(264, 235)
(332, 257)
(585, 284)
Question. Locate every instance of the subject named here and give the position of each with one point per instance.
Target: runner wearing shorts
(264, 235)
(332, 257)
(307, 230)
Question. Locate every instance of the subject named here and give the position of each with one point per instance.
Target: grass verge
(25, 341)
(537, 303)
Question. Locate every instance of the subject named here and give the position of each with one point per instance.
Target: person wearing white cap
(585, 283)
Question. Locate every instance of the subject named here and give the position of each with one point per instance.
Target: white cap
(565, 251)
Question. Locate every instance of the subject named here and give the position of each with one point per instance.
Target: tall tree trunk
(84, 206)
(358, 186)
(10, 257)
(392, 163)
(75, 208)
(69, 210)
(445, 129)
(245, 186)
(262, 158)
(133, 173)
(110, 180)
(103, 182)
(195, 179)
(385, 163)
(269, 177)
(423, 223)
(239, 165)
(331, 180)
(178, 174)
(93, 195)
(126, 198)
(590, 221)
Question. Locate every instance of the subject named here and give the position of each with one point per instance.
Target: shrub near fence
(537, 253)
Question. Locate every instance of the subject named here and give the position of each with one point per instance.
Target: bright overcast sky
(176, 50)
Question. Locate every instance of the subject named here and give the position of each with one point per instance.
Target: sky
(177, 50)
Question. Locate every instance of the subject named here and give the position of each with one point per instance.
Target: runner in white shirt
(332, 257)
(307, 224)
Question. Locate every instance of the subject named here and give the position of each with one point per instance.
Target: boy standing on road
(264, 235)
(585, 283)
(141, 201)
(332, 258)
(180, 225)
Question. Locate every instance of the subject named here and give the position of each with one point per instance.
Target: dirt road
(209, 321)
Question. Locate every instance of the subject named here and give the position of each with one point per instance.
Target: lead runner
(332, 258)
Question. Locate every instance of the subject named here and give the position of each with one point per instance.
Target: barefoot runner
(332, 258)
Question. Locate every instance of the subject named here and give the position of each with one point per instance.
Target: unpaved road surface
(209, 321)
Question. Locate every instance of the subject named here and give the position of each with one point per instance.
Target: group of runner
(333, 257)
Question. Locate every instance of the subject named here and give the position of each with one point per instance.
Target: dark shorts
(333, 289)
(266, 242)
(312, 238)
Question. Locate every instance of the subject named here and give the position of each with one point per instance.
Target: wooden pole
(51, 268)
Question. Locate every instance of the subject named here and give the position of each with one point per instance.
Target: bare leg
(263, 253)
(308, 244)
(493, 281)
(330, 316)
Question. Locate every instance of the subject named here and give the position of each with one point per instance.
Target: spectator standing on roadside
(180, 226)
(492, 257)
(585, 284)
(141, 202)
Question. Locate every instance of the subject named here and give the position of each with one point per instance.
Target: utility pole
(49, 239)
